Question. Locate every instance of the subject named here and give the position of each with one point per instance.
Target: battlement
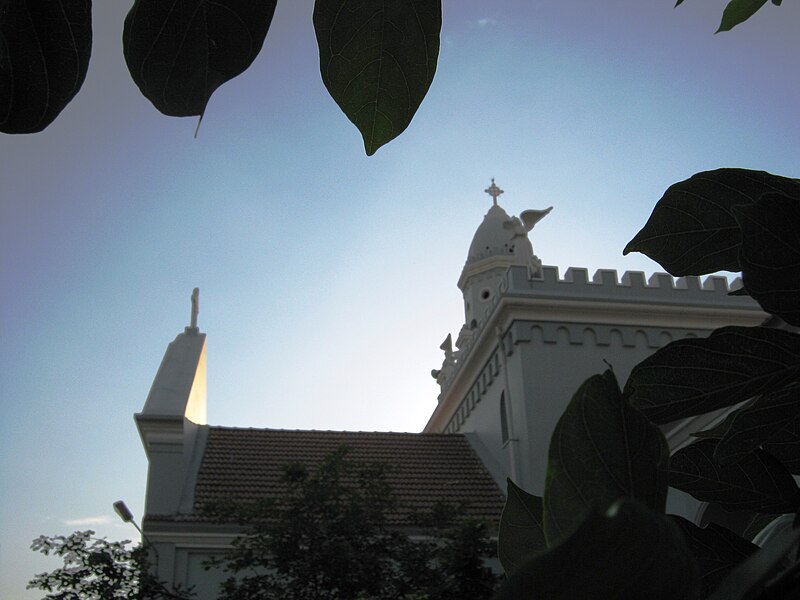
(632, 287)
(693, 298)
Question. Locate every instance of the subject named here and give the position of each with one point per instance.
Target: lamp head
(123, 511)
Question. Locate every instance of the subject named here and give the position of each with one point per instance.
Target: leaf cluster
(377, 59)
(99, 569)
(330, 536)
(599, 530)
(738, 11)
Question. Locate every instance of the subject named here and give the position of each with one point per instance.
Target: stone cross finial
(493, 191)
(195, 306)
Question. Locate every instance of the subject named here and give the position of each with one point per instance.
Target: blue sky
(328, 279)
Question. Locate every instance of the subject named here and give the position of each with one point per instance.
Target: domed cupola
(491, 238)
(501, 241)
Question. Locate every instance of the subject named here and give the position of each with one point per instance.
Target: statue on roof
(192, 328)
(195, 305)
(519, 228)
(448, 365)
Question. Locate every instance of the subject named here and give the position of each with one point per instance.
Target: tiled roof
(423, 468)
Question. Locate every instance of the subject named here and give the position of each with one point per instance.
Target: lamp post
(127, 517)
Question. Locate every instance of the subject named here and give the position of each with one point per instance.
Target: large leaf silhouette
(758, 423)
(521, 533)
(719, 430)
(44, 56)
(747, 580)
(377, 60)
(602, 449)
(692, 230)
(738, 11)
(628, 553)
(770, 253)
(716, 550)
(693, 376)
(785, 446)
(757, 482)
(179, 51)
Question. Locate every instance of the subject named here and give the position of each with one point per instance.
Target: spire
(493, 191)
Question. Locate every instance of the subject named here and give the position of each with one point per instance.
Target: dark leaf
(692, 230)
(715, 549)
(777, 2)
(757, 482)
(770, 253)
(756, 524)
(179, 52)
(377, 60)
(720, 429)
(631, 552)
(756, 570)
(601, 449)
(693, 376)
(757, 423)
(737, 12)
(678, 3)
(521, 533)
(785, 446)
(44, 56)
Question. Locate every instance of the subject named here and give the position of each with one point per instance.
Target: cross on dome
(493, 191)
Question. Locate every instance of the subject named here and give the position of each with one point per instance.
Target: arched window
(503, 418)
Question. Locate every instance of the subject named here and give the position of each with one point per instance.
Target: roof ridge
(336, 431)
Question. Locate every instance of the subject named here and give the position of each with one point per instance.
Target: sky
(328, 278)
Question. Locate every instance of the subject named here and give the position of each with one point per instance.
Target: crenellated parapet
(604, 305)
(632, 286)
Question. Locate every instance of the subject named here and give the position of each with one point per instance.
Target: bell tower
(500, 242)
(531, 336)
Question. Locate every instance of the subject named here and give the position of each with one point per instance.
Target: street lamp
(127, 517)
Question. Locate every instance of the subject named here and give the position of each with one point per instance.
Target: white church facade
(530, 337)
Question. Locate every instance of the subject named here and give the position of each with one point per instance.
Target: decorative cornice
(495, 261)
(606, 302)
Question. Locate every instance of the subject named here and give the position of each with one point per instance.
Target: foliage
(377, 59)
(521, 532)
(329, 536)
(97, 569)
(602, 509)
(458, 557)
(44, 57)
(693, 230)
(611, 555)
(738, 11)
(591, 459)
(178, 53)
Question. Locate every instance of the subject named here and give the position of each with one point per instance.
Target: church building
(531, 336)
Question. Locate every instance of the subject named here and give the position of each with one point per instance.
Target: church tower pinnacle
(501, 241)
